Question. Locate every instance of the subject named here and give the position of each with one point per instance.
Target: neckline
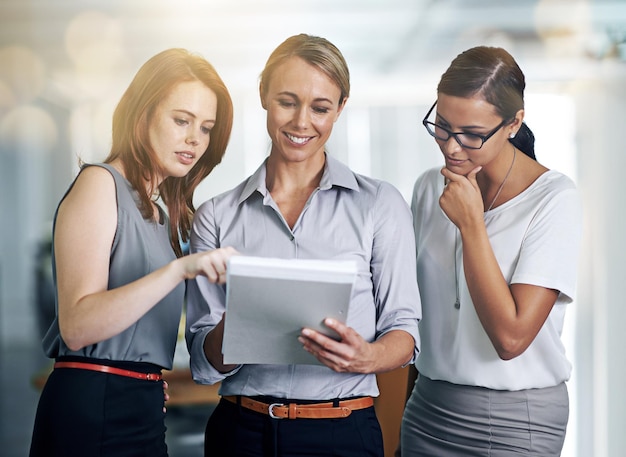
(523, 193)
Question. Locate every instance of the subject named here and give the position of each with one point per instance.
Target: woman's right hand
(461, 199)
(211, 264)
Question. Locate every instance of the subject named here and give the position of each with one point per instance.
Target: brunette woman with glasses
(497, 237)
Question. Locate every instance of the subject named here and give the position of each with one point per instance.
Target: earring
(512, 135)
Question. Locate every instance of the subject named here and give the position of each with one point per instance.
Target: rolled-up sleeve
(348, 217)
(205, 301)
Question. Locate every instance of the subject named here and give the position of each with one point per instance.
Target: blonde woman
(303, 203)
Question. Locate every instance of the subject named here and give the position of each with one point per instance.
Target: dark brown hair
(492, 74)
(131, 121)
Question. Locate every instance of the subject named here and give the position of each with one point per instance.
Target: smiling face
(471, 115)
(302, 105)
(179, 130)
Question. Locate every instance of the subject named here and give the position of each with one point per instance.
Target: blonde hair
(316, 51)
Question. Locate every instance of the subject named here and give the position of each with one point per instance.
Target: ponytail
(524, 140)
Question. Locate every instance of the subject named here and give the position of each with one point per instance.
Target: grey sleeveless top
(139, 247)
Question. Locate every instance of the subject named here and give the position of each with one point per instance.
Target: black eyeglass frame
(450, 133)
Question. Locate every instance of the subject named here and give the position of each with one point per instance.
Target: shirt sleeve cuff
(201, 369)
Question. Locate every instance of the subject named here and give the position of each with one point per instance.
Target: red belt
(325, 410)
(108, 369)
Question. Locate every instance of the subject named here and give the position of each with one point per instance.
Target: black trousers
(234, 431)
(91, 414)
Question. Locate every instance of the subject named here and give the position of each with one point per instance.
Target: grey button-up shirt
(349, 217)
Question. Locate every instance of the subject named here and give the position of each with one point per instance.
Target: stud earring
(512, 135)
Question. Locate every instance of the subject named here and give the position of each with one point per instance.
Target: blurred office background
(64, 65)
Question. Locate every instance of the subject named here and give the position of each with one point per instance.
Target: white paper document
(269, 301)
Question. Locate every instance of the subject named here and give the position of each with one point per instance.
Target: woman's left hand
(350, 354)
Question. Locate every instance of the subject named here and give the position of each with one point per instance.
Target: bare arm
(511, 315)
(85, 227)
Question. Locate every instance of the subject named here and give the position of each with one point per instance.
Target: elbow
(403, 344)
(409, 354)
(510, 348)
(72, 339)
(73, 344)
(506, 355)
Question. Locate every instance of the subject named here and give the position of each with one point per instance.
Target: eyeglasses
(466, 140)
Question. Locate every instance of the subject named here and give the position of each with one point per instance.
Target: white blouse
(535, 238)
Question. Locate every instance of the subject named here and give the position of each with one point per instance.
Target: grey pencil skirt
(448, 420)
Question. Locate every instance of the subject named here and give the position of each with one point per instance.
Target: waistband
(108, 369)
(323, 410)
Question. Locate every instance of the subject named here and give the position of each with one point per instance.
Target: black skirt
(87, 413)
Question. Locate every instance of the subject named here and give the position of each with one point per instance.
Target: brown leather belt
(108, 369)
(324, 410)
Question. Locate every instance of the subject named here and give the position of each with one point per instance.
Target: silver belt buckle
(271, 410)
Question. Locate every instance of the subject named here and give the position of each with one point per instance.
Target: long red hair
(131, 121)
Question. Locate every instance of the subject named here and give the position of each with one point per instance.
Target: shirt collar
(335, 174)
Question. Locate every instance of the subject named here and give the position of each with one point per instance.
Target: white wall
(601, 339)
